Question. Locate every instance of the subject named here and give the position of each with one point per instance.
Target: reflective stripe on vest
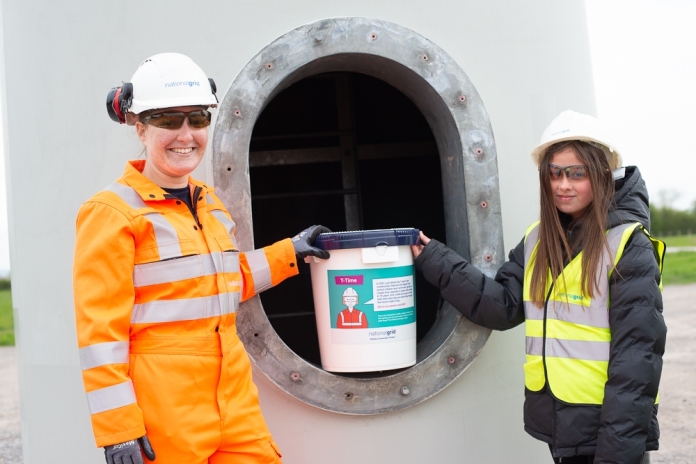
(569, 338)
(188, 267)
(260, 270)
(186, 309)
(165, 235)
(224, 220)
(258, 263)
(101, 354)
(576, 349)
(343, 320)
(108, 398)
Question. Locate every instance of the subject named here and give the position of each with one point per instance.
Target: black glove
(129, 452)
(303, 243)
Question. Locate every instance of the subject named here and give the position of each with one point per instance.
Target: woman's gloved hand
(303, 243)
(129, 452)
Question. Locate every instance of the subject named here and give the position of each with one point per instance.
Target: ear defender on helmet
(213, 87)
(118, 101)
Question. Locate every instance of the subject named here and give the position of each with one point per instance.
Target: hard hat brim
(138, 107)
(613, 156)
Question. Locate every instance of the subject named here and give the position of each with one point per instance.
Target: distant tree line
(5, 284)
(666, 221)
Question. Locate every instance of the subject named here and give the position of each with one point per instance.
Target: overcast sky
(644, 64)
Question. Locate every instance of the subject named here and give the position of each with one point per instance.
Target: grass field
(679, 241)
(6, 322)
(679, 268)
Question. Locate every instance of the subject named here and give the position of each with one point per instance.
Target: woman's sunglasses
(197, 119)
(574, 172)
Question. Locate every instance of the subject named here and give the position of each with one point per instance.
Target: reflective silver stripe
(573, 349)
(614, 240)
(173, 270)
(165, 234)
(127, 194)
(108, 398)
(534, 345)
(188, 267)
(601, 301)
(532, 312)
(343, 320)
(224, 220)
(227, 222)
(569, 312)
(260, 270)
(209, 199)
(578, 349)
(229, 302)
(529, 244)
(226, 261)
(185, 309)
(230, 263)
(101, 354)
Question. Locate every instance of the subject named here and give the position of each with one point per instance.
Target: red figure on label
(351, 318)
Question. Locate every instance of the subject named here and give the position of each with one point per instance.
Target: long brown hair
(556, 246)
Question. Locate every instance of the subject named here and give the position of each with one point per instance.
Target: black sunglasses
(174, 120)
(574, 172)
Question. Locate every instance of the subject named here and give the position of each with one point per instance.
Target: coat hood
(631, 203)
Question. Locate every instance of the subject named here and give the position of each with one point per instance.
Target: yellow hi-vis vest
(568, 339)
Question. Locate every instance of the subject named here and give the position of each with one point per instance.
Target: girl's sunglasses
(574, 172)
(197, 119)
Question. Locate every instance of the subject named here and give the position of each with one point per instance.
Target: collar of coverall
(148, 190)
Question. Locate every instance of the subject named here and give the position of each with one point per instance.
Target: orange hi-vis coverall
(156, 294)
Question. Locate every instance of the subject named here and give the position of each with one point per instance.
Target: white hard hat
(350, 292)
(162, 81)
(570, 125)
(168, 80)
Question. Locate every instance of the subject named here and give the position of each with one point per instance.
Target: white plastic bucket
(365, 304)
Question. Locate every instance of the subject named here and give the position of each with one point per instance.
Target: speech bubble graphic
(392, 293)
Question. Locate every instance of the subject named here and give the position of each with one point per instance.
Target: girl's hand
(417, 249)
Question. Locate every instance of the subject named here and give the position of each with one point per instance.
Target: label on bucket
(372, 305)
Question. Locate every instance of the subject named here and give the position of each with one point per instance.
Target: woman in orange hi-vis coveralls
(158, 279)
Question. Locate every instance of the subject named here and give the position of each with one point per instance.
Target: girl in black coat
(584, 192)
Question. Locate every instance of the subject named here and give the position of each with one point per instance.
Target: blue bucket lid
(367, 238)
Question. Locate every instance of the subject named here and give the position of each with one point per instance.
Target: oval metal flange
(468, 159)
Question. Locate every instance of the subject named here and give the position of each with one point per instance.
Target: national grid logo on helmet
(180, 83)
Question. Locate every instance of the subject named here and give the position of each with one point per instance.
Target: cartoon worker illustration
(351, 318)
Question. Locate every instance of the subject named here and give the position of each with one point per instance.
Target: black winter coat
(625, 426)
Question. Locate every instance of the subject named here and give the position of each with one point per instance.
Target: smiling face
(570, 196)
(172, 154)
